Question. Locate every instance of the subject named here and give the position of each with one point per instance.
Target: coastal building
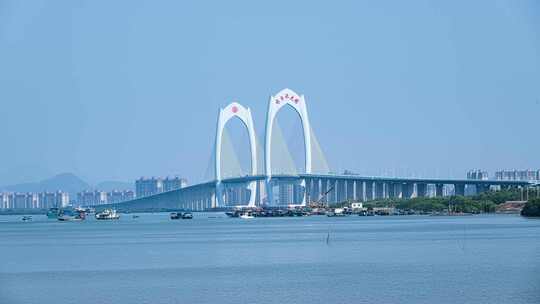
(117, 196)
(32, 200)
(47, 199)
(173, 183)
(477, 174)
(90, 198)
(148, 186)
(98, 197)
(19, 201)
(6, 200)
(518, 175)
(154, 185)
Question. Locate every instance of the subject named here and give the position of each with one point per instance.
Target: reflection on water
(214, 259)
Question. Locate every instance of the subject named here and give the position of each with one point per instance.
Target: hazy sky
(112, 90)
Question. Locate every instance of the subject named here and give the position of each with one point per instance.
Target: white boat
(107, 214)
(246, 215)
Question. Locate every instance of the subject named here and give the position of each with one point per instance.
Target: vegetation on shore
(482, 203)
(532, 208)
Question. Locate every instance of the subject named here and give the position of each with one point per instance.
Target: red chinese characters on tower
(286, 97)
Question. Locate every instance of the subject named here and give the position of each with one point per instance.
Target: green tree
(531, 208)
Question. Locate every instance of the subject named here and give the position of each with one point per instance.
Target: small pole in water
(328, 236)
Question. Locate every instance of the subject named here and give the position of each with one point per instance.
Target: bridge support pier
(379, 190)
(369, 190)
(315, 190)
(333, 196)
(359, 193)
(390, 190)
(408, 190)
(324, 189)
(350, 190)
(439, 190)
(421, 190)
(481, 188)
(459, 189)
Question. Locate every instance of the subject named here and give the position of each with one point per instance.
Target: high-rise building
(90, 198)
(19, 200)
(524, 175)
(62, 199)
(173, 183)
(117, 196)
(32, 200)
(29, 200)
(150, 186)
(47, 199)
(6, 200)
(286, 194)
(477, 174)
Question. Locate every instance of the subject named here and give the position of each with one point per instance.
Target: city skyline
(134, 109)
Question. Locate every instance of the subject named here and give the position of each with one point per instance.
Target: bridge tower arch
(275, 104)
(235, 109)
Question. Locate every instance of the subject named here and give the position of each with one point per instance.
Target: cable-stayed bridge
(273, 177)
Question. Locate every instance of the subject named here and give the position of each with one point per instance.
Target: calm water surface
(214, 259)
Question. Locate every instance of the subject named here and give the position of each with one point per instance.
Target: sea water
(317, 259)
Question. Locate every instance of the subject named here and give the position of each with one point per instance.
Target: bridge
(270, 188)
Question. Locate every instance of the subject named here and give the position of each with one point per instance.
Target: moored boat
(107, 214)
(246, 215)
(181, 215)
(52, 213)
(65, 215)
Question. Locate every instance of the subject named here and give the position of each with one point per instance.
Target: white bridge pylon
(244, 114)
(275, 104)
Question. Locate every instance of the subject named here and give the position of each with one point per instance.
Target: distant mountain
(66, 182)
(115, 185)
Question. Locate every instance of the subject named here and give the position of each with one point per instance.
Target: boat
(107, 214)
(89, 210)
(65, 215)
(336, 212)
(246, 215)
(232, 214)
(180, 215)
(52, 213)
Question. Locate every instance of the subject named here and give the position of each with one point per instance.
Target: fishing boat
(52, 213)
(107, 214)
(65, 215)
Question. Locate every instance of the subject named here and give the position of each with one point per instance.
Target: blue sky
(113, 91)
